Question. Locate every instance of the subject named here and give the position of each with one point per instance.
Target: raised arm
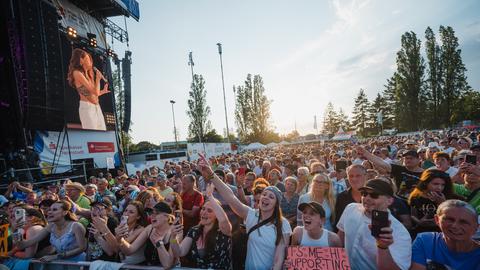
(377, 161)
(223, 223)
(227, 194)
(39, 236)
(182, 248)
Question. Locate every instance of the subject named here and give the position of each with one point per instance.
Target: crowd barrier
(69, 265)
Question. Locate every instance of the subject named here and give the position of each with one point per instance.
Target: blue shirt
(430, 247)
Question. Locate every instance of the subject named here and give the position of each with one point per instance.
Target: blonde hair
(327, 195)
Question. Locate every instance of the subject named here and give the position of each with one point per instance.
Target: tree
(144, 146)
(360, 118)
(252, 110)
(342, 120)
(410, 70)
(198, 110)
(454, 81)
(330, 120)
(434, 77)
(391, 109)
(213, 137)
(378, 105)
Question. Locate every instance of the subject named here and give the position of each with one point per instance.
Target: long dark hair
(277, 220)
(427, 177)
(74, 64)
(210, 238)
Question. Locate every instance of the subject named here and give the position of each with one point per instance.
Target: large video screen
(88, 89)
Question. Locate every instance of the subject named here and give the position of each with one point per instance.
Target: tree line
(423, 93)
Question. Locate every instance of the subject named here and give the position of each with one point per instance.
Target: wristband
(173, 241)
(381, 247)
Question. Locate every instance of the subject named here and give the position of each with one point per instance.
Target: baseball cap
(379, 186)
(411, 153)
(318, 208)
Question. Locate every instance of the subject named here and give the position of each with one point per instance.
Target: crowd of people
(242, 211)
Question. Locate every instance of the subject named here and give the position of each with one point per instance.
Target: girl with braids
(66, 234)
(268, 232)
(210, 242)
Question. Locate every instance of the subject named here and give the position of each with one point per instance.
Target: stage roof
(110, 8)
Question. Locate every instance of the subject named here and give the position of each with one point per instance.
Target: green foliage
(143, 146)
(198, 110)
(252, 111)
(361, 111)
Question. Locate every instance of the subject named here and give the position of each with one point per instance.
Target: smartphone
(472, 159)
(62, 193)
(379, 221)
(340, 165)
(124, 220)
(20, 215)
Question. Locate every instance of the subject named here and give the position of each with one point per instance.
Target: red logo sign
(100, 147)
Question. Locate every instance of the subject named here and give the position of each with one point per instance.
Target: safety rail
(82, 265)
(11, 173)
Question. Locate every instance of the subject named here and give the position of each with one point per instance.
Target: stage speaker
(127, 86)
(44, 72)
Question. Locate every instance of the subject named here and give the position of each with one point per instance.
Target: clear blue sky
(308, 53)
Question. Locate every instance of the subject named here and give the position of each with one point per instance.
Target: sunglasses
(372, 195)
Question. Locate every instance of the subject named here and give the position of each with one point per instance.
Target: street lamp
(223, 85)
(174, 126)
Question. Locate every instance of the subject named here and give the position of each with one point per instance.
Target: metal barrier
(13, 172)
(86, 265)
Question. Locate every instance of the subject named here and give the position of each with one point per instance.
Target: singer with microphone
(86, 79)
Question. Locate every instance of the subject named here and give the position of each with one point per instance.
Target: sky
(309, 53)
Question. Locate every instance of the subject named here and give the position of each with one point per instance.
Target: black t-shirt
(343, 199)
(95, 251)
(399, 207)
(424, 207)
(405, 180)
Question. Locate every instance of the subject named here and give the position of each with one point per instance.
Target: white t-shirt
(361, 245)
(261, 242)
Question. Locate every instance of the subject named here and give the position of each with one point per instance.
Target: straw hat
(77, 186)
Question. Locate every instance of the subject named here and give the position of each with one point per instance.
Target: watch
(159, 243)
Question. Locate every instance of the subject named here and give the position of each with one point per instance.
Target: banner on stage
(60, 148)
(316, 258)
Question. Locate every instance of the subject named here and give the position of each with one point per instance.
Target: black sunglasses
(372, 195)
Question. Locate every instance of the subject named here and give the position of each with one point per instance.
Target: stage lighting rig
(72, 32)
(92, 39)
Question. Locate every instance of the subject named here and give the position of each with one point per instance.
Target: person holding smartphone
(372, 236)
(210, 242)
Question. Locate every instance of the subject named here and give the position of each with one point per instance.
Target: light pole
(199, 125)
(223, 86)
(174, 126)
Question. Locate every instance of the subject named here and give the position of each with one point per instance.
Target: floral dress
(219, 258)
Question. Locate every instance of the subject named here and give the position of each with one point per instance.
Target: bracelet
(173, 241)
(381, 247)
(210, 177)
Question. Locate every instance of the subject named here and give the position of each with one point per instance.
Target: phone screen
(472, 159)
(379, 221)
(340, 165)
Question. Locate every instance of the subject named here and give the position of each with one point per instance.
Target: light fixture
(92, 39)
(71, 32)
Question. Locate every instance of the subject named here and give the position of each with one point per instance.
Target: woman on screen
(85, 78)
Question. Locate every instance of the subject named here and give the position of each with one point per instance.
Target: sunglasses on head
(372, 195)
